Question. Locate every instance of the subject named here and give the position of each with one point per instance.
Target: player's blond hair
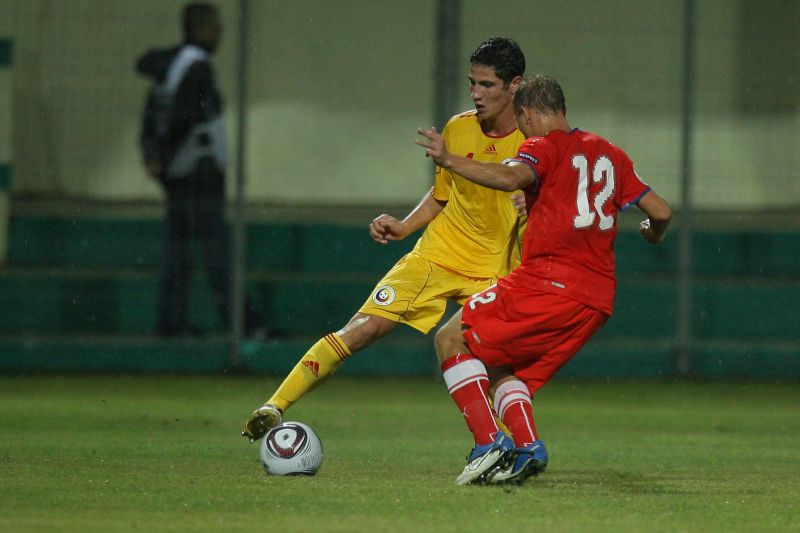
(541, 93)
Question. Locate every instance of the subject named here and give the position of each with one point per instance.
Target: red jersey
(583, 181)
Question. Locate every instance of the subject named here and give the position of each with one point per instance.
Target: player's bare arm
(385, 228)
(658, 214)
(503, 177)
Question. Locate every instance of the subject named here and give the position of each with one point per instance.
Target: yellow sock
(322, 360)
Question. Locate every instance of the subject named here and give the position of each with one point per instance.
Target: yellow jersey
(476, 232)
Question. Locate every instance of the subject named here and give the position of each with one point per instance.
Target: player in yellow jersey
(471, 237)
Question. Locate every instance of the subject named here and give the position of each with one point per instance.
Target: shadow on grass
(608, 481)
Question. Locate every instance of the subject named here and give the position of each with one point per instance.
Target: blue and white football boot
(528, 461)
(486, 459)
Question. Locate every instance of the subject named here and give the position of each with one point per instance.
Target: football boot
(262, 420)
(484, 459)
(528, 461)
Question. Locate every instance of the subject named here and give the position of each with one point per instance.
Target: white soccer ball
(291, 449)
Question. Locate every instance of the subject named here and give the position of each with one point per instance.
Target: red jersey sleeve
(538, 153)
(632, 188)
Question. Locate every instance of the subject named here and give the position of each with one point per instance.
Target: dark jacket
(182, 120)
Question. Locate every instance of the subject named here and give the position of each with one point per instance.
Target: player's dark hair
(195, 16)
(541, 93)
(503, 55)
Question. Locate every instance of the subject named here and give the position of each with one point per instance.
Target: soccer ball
(291, 449)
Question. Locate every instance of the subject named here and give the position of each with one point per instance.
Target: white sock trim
(510, 393)
(464, 373)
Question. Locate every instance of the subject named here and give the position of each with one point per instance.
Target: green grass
(111, 453)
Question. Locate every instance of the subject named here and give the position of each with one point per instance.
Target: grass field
(117, 453)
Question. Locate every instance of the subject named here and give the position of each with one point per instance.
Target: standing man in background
(470, 240)
(183, 143)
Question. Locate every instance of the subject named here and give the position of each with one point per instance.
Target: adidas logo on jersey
(491, 150)
(313, 366)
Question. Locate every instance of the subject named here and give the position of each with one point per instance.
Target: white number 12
(603, 169)
(479, 299)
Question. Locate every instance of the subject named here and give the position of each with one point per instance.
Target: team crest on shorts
(383, 295)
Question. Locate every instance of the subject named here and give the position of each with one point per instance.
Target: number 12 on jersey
(485, 297)
(602, 171)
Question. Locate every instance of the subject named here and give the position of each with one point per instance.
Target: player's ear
(526, 114)
(515, 83)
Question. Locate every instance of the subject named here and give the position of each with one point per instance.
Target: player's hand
(385, 228)
(647, 232)
(518, 199)
(434, 145)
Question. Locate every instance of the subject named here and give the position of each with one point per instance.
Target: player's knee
(363, 330)
(439, 344)
(499, 376)
(448, 342)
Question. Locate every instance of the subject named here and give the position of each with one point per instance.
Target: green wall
(81, 295)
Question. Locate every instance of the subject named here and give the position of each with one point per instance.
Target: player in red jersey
(510, 339)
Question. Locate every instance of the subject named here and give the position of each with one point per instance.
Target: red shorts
(532, 331)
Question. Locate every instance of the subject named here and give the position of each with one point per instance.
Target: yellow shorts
(415, 292)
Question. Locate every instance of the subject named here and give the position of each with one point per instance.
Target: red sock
(468, 385)
(513, 401)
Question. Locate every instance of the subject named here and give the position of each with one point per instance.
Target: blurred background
(704, 97)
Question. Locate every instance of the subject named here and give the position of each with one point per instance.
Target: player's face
(490, 95)
(211, 33)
